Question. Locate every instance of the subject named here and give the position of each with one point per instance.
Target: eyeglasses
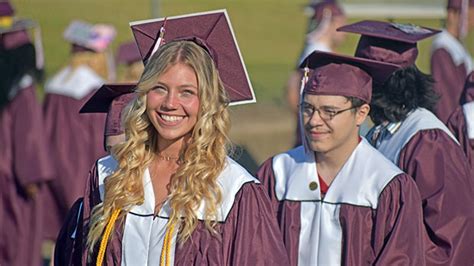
(325, 113)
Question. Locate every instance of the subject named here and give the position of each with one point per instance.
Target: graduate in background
(111, 99)
(461, 122)
(411, 136)
(337, 199)
(24, 160)
(325, 16)
(170, 195)
(129, 55)
(450, 60)
(76, 139)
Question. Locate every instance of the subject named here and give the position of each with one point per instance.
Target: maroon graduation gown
(450, 64)
(369, 214)
(24, 160)
(426, 150)
(457, 125)
(249, 233)
(458, 121)
(76, 142)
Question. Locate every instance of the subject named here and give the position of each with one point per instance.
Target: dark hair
(356, 102)
(405, 90)
(14, 64)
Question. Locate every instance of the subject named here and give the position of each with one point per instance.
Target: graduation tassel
(105, 238)
(304, 80)
(166, 249)
(161, 39)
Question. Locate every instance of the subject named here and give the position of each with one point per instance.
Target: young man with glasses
(337, 199)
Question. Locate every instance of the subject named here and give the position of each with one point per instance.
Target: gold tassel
(105, 238)
(166, 250)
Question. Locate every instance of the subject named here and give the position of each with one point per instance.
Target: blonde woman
(170, 195)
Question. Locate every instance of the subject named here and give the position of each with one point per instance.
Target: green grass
(269, 32)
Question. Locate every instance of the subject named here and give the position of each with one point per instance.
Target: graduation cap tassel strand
(160, 38)
(105, 238)
(166, 249)
(304, 80)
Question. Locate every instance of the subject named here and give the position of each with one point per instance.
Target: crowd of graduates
(135, 170)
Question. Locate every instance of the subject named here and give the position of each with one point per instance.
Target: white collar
(468, 110)
(230, 180)
(359, 182)
(459, 54)
(75, 83)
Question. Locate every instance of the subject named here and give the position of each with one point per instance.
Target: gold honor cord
(166, 250)
(105, 238)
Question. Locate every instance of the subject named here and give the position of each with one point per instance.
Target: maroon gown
(24, 160)
(76, 140)
(458, 121)
(247, 232)
(368, 215)
(424, 148)
(450, 65)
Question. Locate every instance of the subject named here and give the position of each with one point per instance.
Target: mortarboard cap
(89, 37)
(111, 99)
(210, 30)
(128, 53)
(459, 4)
(13, 32)
(341, 75)
(388, 42)
(9, 23)
(6, 9)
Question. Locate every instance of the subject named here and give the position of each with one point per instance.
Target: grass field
(270, 34)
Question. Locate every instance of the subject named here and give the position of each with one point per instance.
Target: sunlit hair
(96, 61)
(204, 156)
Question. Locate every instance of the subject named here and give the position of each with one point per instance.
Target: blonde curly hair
(204, 157)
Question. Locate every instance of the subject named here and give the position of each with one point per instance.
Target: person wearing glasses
(337, 199)
(409, 134)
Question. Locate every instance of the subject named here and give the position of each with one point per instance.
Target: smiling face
(324, 136)
(173, 103)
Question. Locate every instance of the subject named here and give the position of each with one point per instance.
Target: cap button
(313, 185)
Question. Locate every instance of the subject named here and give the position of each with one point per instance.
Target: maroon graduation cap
(128, 53)
(212, 31)
(10, 23)
(388, 42)
(111, 99)
(458, 4)
(349, 76)
(6, 9)
(14, 32)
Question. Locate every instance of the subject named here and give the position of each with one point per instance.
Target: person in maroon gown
(450, 60)
(24, 161)
(76, 139)
(461, 122)
(324, 17)
(129, 56)
(337, 199)
(169, 195)
(411, 136)
(112, 99)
